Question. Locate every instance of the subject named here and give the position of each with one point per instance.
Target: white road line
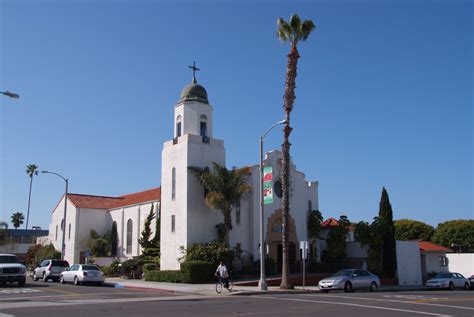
(6, 315)
(100, 301)
(394, 301)
(355, 305)
(9, 299)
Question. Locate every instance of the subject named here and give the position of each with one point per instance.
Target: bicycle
(220, 285)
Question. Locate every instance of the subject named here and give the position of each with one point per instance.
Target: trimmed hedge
(164, 276)
(150, 267)
(196, 272)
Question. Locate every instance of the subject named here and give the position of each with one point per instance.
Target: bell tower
(185, 219)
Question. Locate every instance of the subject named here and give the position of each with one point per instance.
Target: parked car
(11, 270)
(50, 270)
(350, 280)
(471, 280)
(82, 274)
(448, 280)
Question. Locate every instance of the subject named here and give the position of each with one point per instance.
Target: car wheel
(21, 283)
(466, 286)
(61, 279)
(348, 287)
(35, 278)
(45, 279)
(99, 283)
(373, 287)
(325, 291)
(76, 281)
(451, 286)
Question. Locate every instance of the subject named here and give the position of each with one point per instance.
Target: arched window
(56, 235)
(178, 126)
(237, 212)
(129, 235)
(173, 183)
(310, 205)
(69, 234)
(203, 126)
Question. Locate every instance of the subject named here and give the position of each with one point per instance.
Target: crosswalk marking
(18, 291)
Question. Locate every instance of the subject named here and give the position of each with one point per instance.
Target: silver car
(350, 280)
(448, 280)
(49, 270)
(82, 274)
(11, 270)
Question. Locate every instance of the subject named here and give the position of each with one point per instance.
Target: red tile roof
(431, 247)
(330, 222)
(104, 202)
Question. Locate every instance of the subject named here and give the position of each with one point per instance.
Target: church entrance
(274, 230)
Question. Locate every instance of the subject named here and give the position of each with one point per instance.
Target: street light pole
(63, 246)
(262, 283)
(10, 94)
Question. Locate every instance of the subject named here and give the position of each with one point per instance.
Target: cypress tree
(389, 255)
(114, 240)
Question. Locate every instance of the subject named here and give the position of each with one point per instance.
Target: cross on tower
(194, 68)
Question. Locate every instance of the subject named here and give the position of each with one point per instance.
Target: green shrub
(133, 268)
(322, 267)
(213, 252)
(196, 272)
(164, 276)
(110, 271)
(270, 266)
(150, 267)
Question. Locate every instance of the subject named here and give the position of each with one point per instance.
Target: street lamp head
(11, 94)
(282, 121)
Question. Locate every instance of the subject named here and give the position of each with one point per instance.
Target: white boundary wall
(409, 263)
(461, 263)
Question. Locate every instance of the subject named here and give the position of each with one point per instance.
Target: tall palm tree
(17, 219)
(292, 31)
(224, 189)
(31, 170)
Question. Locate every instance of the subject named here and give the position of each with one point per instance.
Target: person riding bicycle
(223, 274)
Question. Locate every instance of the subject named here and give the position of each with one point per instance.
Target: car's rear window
(60, 263)
(90, 268)
(8, 259)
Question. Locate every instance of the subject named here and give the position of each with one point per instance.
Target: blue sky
(384, 97)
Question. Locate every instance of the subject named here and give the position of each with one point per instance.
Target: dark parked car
(50, 270)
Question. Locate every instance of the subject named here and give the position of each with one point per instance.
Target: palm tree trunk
(289, 99)
(29, 200)
(227, 226)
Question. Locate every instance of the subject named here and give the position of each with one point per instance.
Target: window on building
(62, 224)
(129, 235)
(443, 261)
(173, 183)
(56, 234)
(69, 234)
(178, 126)
(310, 205)
(203, 126)
(173, 223)
(237, 212)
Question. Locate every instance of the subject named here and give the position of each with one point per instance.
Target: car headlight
(23, 270)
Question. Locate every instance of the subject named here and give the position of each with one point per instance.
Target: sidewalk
(209, 289)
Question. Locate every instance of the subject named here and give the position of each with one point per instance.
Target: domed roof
(193, 92)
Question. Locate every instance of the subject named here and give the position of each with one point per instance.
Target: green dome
(193, 92)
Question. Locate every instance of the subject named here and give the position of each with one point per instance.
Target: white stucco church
(185, 218)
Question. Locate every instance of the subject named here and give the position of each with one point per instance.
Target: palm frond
(283, 30)
(306, 28)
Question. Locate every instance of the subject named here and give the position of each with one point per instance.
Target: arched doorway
(274, 230)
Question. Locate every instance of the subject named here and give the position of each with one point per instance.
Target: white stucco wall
(194, 221)
(408, 263)
(461, 263)
(190, 113)
(355, 250)
(433, 262)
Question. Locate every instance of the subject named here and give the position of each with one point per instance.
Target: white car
(448, 280)
(82, 274)
(350, 280)
(11, 270)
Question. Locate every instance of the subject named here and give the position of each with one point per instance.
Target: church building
(185, 218)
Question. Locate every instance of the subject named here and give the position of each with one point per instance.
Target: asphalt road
(52, 299)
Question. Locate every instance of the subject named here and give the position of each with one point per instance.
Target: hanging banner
(267, 185)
